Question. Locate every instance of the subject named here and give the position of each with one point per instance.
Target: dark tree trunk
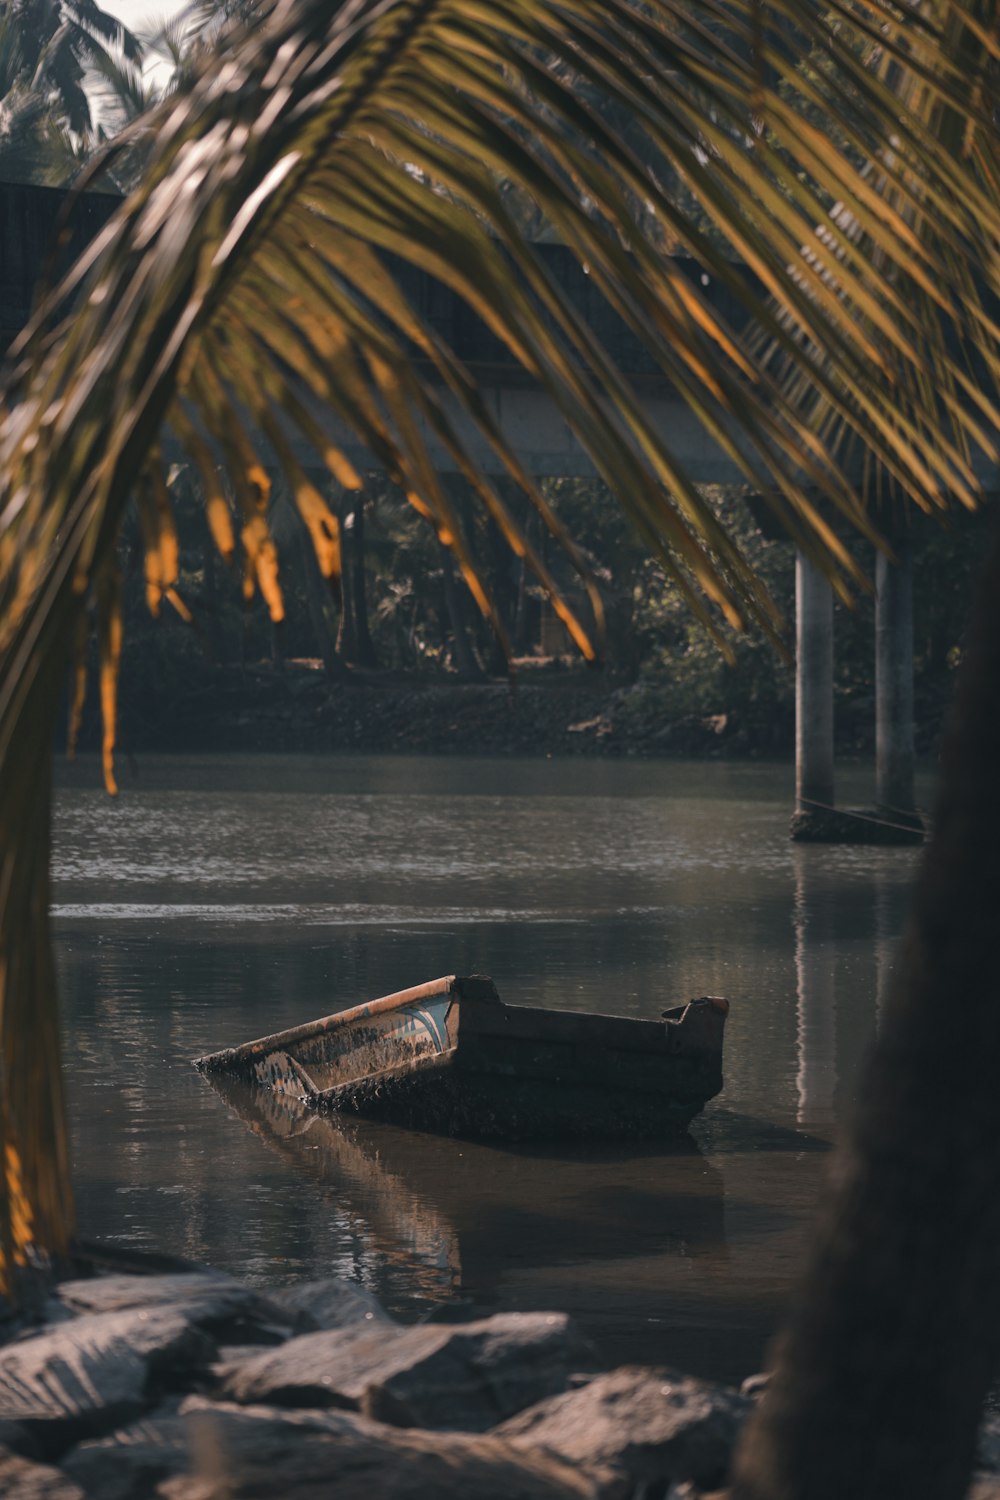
(364, 645)
(894, 1337)
(504, 574)
(319, 601)
(213, 621)
(496, 658)
(347, 648)
(244, 623)
(277, 635)
(519, 634)
(466, 662)
(523, 636)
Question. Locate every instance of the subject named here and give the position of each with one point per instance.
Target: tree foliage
(47, 50)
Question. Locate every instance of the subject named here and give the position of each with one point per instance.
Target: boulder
(130, 1464)
(218, 1303)
(17, 1439)
(466, 1376)
(265, 1453)
(91, 1374)
(687, 1492)
(331, 1302)
(20, 1479)
(756, 1385)
(115, 1293)
(988, 1445)
(656, 1426)
(260, 1451)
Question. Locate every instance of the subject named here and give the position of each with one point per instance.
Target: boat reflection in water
(595, 1229)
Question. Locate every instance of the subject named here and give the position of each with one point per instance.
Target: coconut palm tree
(34, 144)
(845, 152)
(124, 91)
(60, 40)
(47, 51)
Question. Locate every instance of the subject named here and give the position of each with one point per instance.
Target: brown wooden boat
(450, 1056)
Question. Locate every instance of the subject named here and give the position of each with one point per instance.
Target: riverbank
(548, 707)
(539, 711)
(547, 711)
(188, 1385)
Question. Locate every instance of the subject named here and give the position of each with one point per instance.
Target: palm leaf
(90, 21)
(949, 367)
(247, 290)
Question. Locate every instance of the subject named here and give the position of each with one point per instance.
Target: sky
(137, 12)
(145, 15)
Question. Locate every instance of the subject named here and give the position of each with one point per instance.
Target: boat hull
(450, 1057)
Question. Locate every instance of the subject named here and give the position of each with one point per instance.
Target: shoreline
(174, 1361)
(176, 1382)
(549, 710)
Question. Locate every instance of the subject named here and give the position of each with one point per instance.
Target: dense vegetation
(407, 618)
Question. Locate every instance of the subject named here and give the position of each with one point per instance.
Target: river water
(221, 898)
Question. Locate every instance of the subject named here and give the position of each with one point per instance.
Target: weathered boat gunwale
(449, 1056)
(472, 987)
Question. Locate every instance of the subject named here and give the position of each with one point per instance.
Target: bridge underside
(530, 423)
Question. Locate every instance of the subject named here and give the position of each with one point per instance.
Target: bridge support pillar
(894, 753)
(813, 699)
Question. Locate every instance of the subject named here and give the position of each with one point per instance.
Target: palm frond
(34, 145)
(940, 332)
(92, 23)
(57, 44)
(247, 292)
(120, 91)
(59, 77)
(169, 39)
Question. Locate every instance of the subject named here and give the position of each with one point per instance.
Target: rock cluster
(195, 1387)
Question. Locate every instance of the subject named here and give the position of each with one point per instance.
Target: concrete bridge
(534, 428)
(525, 414)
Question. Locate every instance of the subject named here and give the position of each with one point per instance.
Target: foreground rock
(654, 1425)
(116, 1345)
(214, 1449)
(134, 1462)
(988, 1445)
(16, 1439)
(116, 1293)
(329, 1303)
(20, 1479)
(130, 1372)
(89, 1375)
(467, 1376)
(218, 1304)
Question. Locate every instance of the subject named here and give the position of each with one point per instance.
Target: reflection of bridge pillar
(816, 1010)
(813, 687)
(886, 939)
(894, 758)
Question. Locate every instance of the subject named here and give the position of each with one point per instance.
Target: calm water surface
(221, 898)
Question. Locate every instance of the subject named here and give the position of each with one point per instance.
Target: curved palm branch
(949, 370)
(245, 293)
